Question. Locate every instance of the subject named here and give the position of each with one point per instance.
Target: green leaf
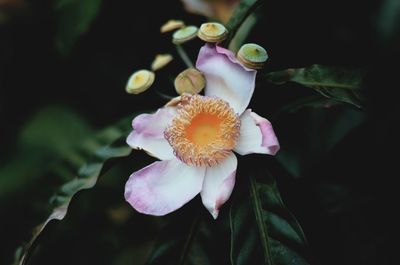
(191, 237)
(313, 102)
(244, 9)
(341, 84)
(262, 228)
(318, 131)
(43, 140)
(112, 146)
(73, 19)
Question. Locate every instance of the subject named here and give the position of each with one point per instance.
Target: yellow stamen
(204, 131)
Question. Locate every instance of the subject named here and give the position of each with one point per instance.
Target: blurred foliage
(63, 67)
(107, 145)
(52, 133)
(73, 18)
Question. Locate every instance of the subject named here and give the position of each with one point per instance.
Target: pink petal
(256, 135)
(199, 7)
(226, 77)
(163, 186)
(218, 184)
(148, 133)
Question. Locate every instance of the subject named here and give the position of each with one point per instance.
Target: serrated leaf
(263, 230)
(113, 146)
(341, 84)
(73, 18)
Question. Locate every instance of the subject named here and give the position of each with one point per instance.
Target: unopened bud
(140, 81)
(212, 32)
(160, 61)
(184, 34)
(172, 25)
(190, 81)
(252, 56)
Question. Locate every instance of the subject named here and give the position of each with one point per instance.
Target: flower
(221, 10)
(195, 140)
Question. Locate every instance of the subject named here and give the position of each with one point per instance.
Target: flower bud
(172, 25)
(252, 56)
(140, 81)
(190, 81)
(184, 34)
(160, 61)
(212, 32)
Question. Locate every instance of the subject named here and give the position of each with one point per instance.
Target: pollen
(204, 131)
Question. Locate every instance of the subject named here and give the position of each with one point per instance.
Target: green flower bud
(252, 56)
(184, 34)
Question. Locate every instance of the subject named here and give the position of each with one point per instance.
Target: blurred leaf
(52, 133)
(316, 132)
(341, 84)
(113, 146)
(388, 19)
(242, 11)
(267, 235)
(73, 19)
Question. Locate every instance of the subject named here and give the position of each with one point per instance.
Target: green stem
(245, 8)
(185, 58)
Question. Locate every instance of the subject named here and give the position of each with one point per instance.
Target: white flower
(195, 140)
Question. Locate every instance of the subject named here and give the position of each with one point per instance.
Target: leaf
(191, 237)
(341, 84)
(313, 102)
(317, 132)
(244, 9)
(73, 18)
(42, 141)
(113, 147)
(262, 228)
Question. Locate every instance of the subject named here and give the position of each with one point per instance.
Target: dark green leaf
(73, 18)
(313, 102)
(191, 237)
(244, 9)
(52, 133)
(317, 132)
(263, 230)
(113, 146)
(341, 84)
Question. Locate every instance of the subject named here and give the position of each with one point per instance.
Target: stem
(245, 8)
(162, 95)
(185, 58)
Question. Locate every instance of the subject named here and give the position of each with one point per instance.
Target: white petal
(148, 133)
(256, 135)
(163, 186)
(218, 184)
(226, 77)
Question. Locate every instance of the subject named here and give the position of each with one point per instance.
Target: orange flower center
(204, 131)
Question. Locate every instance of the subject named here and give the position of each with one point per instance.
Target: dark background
(345, 202)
